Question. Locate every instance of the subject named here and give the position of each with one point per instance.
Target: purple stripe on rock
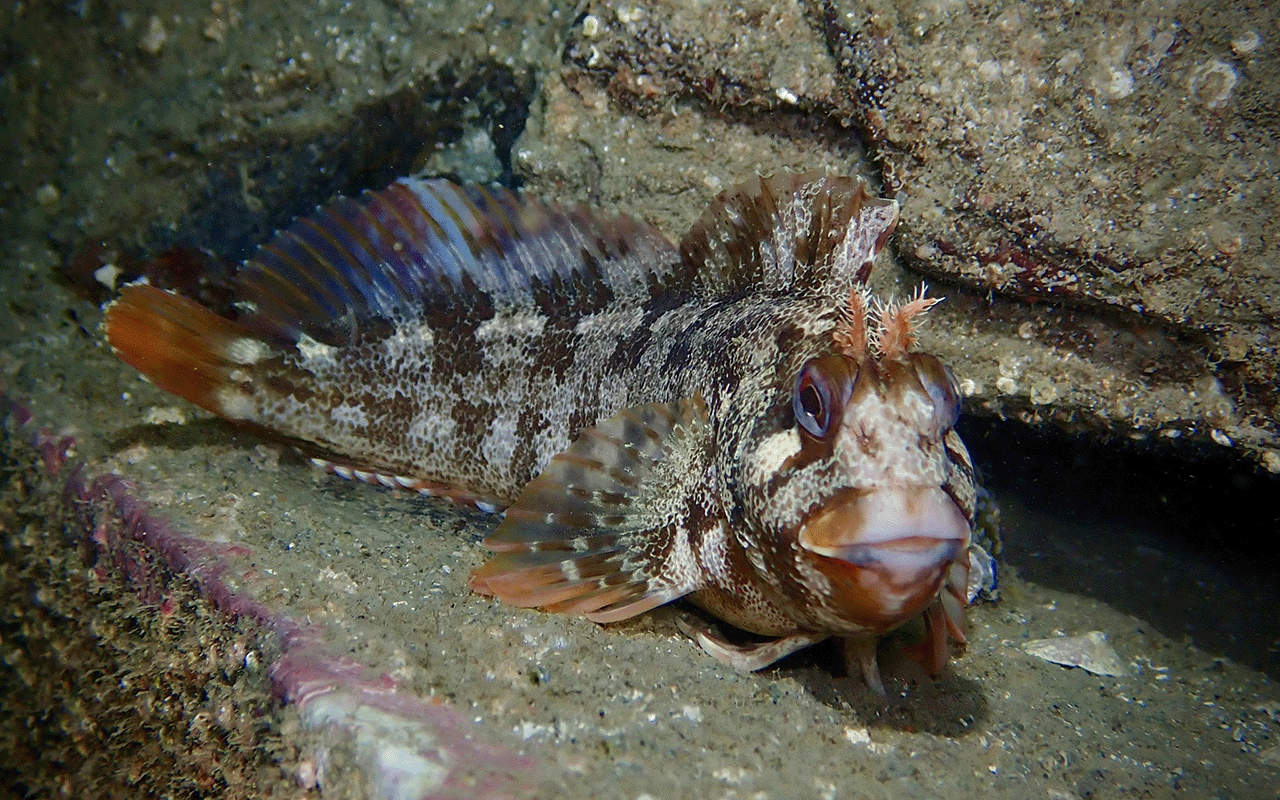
(327, 689)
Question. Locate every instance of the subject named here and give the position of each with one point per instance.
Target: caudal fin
(181, 346)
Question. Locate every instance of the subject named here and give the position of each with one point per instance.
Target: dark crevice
(382, 142)
(251, 189)
(1176, 534)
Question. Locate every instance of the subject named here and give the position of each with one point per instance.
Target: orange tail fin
(181, 346)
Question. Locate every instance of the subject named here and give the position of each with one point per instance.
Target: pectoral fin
(605, 530)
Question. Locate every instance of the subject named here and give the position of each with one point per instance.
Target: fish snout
(887, 551)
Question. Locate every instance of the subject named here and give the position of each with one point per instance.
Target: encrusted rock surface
(1090, 186)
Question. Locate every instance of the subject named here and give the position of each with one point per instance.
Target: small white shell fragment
(1090, 652)
(1043, 393)
(107, 275)
(857, 736)
(152, 41)
(1246, 43)
(165, 415)
(48, 195)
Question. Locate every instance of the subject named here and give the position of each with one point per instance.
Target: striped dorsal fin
(430, 246)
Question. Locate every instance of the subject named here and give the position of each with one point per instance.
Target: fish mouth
(886, 551)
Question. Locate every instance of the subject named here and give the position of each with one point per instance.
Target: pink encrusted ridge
(408, 747)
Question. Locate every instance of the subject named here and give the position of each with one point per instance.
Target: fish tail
(183, 347)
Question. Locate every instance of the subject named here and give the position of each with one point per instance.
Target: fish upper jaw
(886, 551)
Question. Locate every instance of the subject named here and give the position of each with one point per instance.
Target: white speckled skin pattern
(731, 419)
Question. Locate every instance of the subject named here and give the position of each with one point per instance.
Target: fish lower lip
(879, 585)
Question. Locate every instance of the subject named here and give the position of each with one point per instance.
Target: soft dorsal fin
(430, 245)
(423, 246)
(789, 232)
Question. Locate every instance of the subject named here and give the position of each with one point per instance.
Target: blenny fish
(734, 420)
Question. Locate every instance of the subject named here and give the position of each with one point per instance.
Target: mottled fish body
(733, 419)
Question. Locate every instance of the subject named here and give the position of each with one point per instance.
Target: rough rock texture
(169, 699)
(1090, 186)
(1093, 185)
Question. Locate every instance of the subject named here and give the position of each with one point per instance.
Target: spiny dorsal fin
(421, 246)
(425, 246)
(789, 232)
(604, 530)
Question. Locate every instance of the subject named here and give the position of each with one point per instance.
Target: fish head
(890, 525)
(871, 508)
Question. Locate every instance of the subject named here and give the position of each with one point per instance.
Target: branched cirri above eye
(815, 397)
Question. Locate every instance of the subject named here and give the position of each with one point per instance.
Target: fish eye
(940, 383)
(814, 398)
